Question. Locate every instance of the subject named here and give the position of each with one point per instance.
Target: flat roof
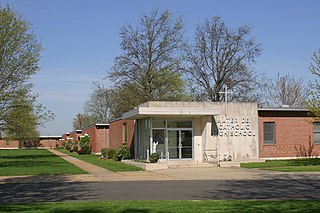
(284, 109)
(50, 137)
(173, 109)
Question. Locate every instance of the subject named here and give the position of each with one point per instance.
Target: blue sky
(81, 40)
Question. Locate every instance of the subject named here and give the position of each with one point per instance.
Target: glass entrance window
(172, 137)
(173, 144)
(186, 143)
(179, 124)
(159, 137)
(180, 144)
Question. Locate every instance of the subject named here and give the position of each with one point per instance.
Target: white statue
(154, 147)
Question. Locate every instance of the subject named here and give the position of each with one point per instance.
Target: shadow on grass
(27, 157)
(75, 209)
(24, 163)
(170, 206)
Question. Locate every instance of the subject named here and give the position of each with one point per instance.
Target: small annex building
(197, 131)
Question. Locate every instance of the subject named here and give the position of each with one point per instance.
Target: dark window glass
(269, 133)
(316, 133)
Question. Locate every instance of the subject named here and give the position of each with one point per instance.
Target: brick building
(287, 132)
(4, 144)
(99, 136)
(121, 133)
(50, 141)
(200, 132)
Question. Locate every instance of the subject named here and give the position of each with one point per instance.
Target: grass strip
(144, 206)
(293, 165)
(34, 162)
(114, 166)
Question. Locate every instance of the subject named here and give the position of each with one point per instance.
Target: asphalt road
(280, 187)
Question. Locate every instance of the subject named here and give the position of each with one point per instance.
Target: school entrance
(180, 143)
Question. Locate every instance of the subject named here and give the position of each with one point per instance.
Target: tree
(150, 62)
(21, 123)
(221, 57)
(81, 121)
(100, 104)
(125, 100)
(287, 90)
(23, 117)
(19, 57)
(314, 101)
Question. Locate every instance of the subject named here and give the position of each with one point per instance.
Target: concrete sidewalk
(98, 174)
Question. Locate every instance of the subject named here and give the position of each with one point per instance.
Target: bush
(85, 150)
(84, 141)
(84, 145)
(123, 152)
(68, 145)
(104, 152)
(108, 153)
(154, 157)
(75, 148)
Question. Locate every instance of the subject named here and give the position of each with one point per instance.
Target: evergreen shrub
(122, 152)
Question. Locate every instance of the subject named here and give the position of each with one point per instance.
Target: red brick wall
(98, 139)
(102, 138)
(74, 135)
(49, 143)
(9, 144)
(117, 133)
(290, 133)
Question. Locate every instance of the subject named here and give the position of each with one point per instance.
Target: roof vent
(285, 106)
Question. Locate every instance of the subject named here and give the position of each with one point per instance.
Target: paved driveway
(234, 183)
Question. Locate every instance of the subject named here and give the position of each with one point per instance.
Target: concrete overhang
(141, 112)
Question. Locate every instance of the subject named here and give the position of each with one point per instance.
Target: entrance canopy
(157, 108)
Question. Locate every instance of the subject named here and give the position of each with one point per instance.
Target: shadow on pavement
(42, 189)
(286, 186)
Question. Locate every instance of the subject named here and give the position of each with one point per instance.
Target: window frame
(125, 133)
(270, 142)
(314, 132)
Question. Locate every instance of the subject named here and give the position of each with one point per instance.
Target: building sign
(234, 127)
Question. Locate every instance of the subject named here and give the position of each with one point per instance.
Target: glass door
(186, 143)
(180, 144)
(173, 144)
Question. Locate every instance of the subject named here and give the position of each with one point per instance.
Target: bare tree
(81, 121)
(101, 103)
(221, 56)
(287, 90)
(150, 63)
(314, 101)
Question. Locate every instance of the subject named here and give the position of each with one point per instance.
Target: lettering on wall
(233, 127)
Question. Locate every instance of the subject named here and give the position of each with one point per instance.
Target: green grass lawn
(294, 165)
(114, 166)
(34, 162)
(133, 206)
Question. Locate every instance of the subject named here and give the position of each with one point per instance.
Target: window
(125, 133)
(268, 133)
(316, 133)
